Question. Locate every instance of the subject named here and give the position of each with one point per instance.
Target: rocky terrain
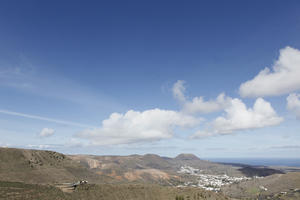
(33, 166)
(33, 174)
(150, 168)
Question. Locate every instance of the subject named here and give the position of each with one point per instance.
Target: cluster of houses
(207, 181)
(80, 182)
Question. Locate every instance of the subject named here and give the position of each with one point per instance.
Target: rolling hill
(37, 174)
(151, 168)
(34, 166)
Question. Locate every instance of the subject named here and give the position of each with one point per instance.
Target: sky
(214, 78)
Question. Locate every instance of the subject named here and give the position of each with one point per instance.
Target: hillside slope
(278, 185)
(150, 168)
(34, 166)
(21, 191)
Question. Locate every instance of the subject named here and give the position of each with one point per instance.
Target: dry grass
(275, 184)
(21, 191)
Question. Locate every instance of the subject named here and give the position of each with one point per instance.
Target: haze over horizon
(212, 78)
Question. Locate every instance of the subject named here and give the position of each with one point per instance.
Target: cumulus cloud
(199, 104)
(157, 124)
(46, 132)
(135, 126)
(282, 79)
(293, 103)
(239, 117)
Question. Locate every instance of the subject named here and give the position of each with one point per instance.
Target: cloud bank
(282, 79)
(135, 126)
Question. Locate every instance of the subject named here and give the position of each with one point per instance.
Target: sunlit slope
(33, 166)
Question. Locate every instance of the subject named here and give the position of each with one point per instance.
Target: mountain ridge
(40, 166)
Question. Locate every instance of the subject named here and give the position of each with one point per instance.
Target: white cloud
(198, 104)
(239, 117)
(293, 103)
(282, 79)
(135, 126)
(46, 132)
(178, 90)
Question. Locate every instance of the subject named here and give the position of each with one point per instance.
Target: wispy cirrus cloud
(26, 77)
(69, 123)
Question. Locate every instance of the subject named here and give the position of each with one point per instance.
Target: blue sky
(116, 77)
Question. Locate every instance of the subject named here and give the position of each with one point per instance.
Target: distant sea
(290, 162)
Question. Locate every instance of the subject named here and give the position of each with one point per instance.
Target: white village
(208, 181)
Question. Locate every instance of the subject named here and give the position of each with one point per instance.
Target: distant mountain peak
(186, 156)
